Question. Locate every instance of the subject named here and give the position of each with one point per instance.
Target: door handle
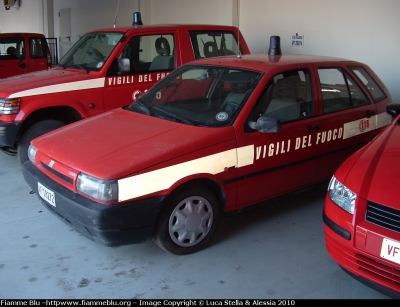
(69, 38)
(314, 127)
(369, 113)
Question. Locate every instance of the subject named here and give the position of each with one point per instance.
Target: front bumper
(8, 133)
(372, 271)
(111, 225)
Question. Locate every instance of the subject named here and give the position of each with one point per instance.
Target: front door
(151, 58)
(286, 160)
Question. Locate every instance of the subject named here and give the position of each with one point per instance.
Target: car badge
(51, 163)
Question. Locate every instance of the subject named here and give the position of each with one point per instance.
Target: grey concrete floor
(266, 253)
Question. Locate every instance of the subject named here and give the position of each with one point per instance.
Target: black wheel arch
(208, 183)
(64, 114)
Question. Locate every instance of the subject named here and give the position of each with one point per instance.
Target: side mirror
(393, 109)
(124, 65)
(266, 125)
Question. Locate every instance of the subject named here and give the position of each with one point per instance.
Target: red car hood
(120, 142)
(375, 175)
(15, 86)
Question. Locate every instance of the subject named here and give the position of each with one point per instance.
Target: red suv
(21, 53)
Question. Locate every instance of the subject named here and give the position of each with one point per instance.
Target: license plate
(47, 194)
(390, 250)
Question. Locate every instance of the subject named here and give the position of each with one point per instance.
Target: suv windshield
(91, 51)
(209, 96)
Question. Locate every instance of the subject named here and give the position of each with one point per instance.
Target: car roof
(264, 62)
(166, 27)
(10, 34)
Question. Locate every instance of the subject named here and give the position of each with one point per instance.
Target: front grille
(385, 273)
(383, 216)
(58, 174)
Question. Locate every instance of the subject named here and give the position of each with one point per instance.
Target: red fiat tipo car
(216, 135)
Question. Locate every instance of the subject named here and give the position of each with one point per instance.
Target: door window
(372, 87)
(12, 48)
(150, 53)
(339, 91)
(213, 43)
(288, 97)
(38, 48)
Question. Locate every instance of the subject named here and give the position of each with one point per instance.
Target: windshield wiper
(61, 65)
(174, 116)
(140, 106)
(80, 67)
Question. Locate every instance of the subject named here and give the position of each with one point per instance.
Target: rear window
(369, 83)
(12, 48)
(213, 43)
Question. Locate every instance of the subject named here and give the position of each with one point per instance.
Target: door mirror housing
(266, 124)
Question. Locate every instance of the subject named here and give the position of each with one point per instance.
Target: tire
(34, 131)
(188, 221)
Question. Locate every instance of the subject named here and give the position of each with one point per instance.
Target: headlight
(9, 106)
(100, 189)
(342, 196)
(32, 153)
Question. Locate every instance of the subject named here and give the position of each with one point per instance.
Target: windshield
(209, 96)
(91, 51)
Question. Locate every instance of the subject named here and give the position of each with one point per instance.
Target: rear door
(348, 117)
(38, 56)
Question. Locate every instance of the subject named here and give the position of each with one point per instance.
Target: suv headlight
(9, 106)
(341, 195)
(105, 190)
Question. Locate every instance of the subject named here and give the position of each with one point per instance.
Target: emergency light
(137, 19)
(274, 45)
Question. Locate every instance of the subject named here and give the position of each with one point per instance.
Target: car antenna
(237, 14)
(115, 20)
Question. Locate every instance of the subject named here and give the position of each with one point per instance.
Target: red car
(362, 212)
(216, 135)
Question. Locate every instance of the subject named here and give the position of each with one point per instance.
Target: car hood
(120, 142)
(374, 175)
(25, 84)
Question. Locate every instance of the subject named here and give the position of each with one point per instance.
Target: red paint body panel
(371, 173)
(152, 142)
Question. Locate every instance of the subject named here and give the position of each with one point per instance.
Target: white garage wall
(363, 30)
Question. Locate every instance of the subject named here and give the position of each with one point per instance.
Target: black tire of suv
(34, 131)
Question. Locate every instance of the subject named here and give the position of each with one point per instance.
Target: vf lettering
(272, 149)
(330, 135)
(303, 142)
(121, 80)
(162, 75)
(392, 250)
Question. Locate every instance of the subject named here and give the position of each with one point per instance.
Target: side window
(288, 97)
(213, 43)
(12, 48)
(339, 91)
(151, 53)
(37, 48)
(370, 85)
